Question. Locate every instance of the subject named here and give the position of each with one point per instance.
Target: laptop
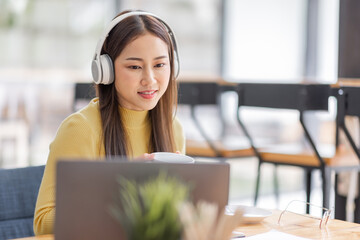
(86, 189)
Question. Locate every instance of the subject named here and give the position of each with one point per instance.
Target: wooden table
(294, 224)
(42, 237)
(304, 227)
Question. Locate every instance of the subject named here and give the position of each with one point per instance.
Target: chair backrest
(198, 93)
(284, 96)
(348, 99)
(83, 93)
(18, 193)
(351, 102)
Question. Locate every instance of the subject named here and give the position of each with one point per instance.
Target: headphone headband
(98, 69)
(111, 25)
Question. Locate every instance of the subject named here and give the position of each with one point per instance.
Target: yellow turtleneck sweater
(79, 137)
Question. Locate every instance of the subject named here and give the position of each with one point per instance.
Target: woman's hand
(148, 157)
(145, 157)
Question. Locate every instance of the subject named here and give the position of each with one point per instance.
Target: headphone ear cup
(96, 71)
(107, 68)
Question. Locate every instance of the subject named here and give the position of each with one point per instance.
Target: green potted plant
(149, 211)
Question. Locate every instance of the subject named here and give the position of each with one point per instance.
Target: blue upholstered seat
(18, 192)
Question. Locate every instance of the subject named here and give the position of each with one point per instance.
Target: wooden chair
(197, 95)
(348, 99)
(300, 97)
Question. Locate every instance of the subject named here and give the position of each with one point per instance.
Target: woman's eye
(159, 65)
(134, 67)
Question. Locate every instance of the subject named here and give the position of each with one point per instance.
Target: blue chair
(18, 193)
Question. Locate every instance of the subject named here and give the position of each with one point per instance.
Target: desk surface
(304, 227)
(292, 224)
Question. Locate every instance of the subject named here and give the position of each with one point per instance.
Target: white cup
(169, 157)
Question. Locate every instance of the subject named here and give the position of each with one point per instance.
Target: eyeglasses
(323, 220)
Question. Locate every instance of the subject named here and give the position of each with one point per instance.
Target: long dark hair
(161, 117)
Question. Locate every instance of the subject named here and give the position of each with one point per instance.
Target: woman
(133, 115)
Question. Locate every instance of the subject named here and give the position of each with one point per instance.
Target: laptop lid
(86, 189)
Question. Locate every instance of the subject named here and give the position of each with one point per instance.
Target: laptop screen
(86, 189)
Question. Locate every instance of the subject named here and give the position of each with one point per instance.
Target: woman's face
(142, 73)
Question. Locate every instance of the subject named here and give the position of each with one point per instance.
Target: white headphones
(102, 67)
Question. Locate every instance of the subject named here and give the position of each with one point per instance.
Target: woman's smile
(148, 94)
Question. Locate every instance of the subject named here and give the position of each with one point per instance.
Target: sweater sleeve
(75, 139)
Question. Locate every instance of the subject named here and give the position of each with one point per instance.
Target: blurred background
(47, 46)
